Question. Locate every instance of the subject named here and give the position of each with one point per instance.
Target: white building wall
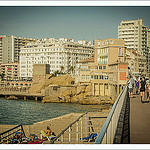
(53, 52)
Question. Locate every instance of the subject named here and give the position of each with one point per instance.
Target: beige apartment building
(11, 71)
(10, 48)
(108, 53)
(135, 34)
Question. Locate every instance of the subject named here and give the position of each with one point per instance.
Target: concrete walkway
(139, 121)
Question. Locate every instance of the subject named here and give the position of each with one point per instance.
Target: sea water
(15, 112)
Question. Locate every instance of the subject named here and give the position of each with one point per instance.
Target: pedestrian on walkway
(148, 88)
(137, 86)
(132, 82)
(142, 87)
(130, 88)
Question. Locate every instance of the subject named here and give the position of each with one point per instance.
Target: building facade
(108, 52)
(136, 36)
(10, 48)
(60, 54)
(134, 33)
(136, 62)
(10, 71)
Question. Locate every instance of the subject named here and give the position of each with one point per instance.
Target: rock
(12, 98)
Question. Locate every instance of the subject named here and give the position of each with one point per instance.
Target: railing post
(7, 137)
(2, 138)
(77, 129)
(81, 130)
(86, 125)
(69, 134)
(62, 138)
(12, 134)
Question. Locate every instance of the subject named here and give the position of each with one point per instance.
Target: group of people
(140, 85)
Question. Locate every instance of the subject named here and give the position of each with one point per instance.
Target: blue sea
(15, 112)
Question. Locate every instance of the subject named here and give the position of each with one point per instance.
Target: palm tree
(71, 69)
(62, 68)
(2, 76)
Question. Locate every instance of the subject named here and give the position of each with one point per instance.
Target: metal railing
(7, 136)
(80, 128)
(108, 131)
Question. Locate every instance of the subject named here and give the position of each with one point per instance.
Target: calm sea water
(15, 112)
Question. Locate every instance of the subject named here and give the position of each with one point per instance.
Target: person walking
(132, 82)
(130, 88)
(142, 87)
(148, 88)
(137, 86)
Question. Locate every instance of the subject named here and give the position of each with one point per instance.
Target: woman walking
(142, 87)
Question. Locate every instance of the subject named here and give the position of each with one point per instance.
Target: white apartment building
(55, 52)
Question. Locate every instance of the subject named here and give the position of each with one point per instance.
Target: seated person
(48, 131)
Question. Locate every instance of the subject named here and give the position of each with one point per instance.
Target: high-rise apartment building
(10, 48)
(134, 33)
(60, 53)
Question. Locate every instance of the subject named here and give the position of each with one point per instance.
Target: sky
(78, 22)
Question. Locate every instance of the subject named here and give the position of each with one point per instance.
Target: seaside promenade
(139, 121)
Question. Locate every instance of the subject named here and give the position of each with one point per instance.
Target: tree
(62, 68)
(2, 76)
(71, 69)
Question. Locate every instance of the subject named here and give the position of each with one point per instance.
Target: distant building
(108, 53)
(11, 71)
(134, 33)
(137, 62)
(10, 48)
(136, 36)
(60, 54)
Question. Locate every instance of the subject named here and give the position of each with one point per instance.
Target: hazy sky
(72, 22)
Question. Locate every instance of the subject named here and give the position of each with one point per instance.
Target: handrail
(10, 130)
(52, 141)
(5, 136)
(109, 118)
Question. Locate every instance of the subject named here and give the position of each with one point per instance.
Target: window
(95, 76)
(100, 67)
(104, 67)
(98, 51)
(101, 77)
